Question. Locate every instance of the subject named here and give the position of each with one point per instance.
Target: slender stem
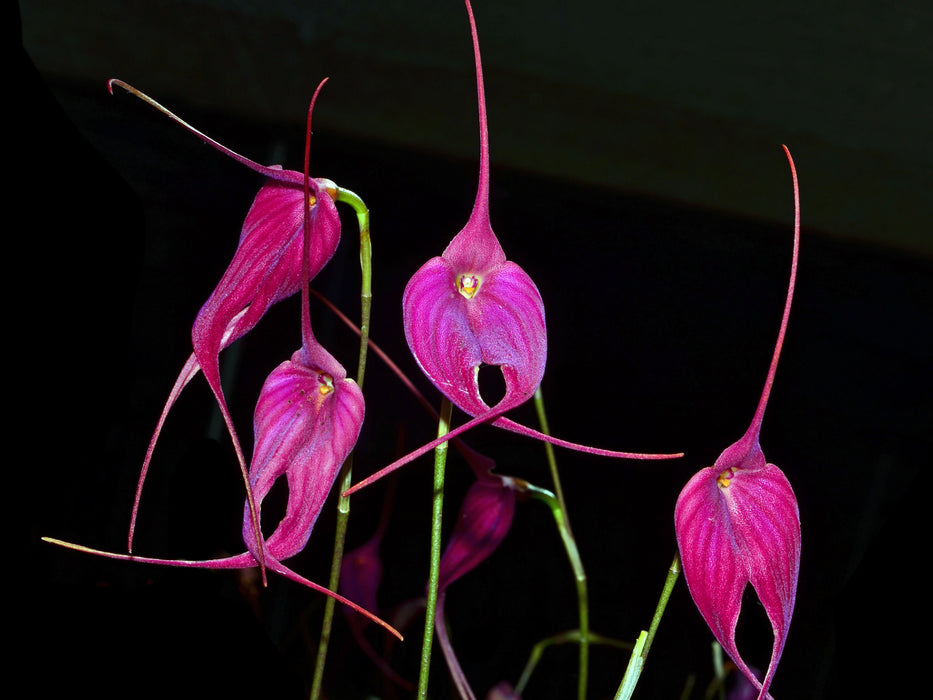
(643, 645)
(672, 573)
(569, 637)
(570, 544)
(343, 515)
(366, 287)
(719, 672)
(440, 462)
(345, 477)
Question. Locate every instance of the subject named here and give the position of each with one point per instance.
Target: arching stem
(573, 554)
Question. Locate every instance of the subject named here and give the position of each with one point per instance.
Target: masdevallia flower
(737, 523)
(266, 268)
(470, 307)
(307, 421)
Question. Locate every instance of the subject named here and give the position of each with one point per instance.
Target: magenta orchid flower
(266, 268)
(737, 523)
(471, 307)
(307, 421)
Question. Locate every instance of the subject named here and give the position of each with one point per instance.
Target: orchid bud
(484, 520)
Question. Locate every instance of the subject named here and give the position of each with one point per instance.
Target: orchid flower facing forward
(266, 268)
(471, 306)
(307, 421)
(737, 523)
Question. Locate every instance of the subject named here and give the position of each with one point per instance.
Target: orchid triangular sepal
(239, 561)
(737, 522)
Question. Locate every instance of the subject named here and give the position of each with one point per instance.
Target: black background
(661, 321)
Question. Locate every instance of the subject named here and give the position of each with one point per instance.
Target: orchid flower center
(468, 285)
(725, 476)
(326, 383)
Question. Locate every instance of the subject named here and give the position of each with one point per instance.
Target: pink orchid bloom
(737, 522)
(307, 421)
(266, 268)
(471, 307)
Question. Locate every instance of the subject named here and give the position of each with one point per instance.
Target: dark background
(663, 306)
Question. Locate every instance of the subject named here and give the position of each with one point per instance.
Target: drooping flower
(737, 523)
(266, 268)
(470, 307)
(307, 421)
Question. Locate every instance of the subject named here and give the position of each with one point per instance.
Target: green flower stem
(345, 477)
(643, 645)
(366, 265)
(440, 462)
(570, 544)
(570, 637)
(719, 671)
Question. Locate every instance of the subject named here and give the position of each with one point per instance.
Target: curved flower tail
(269, 171)
(493, 416)
(511, 425)
(240, 561)
(288, 573)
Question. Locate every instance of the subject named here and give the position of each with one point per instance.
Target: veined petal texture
(266, 267)
(737, 526)
(451, 335)
(306, 423)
